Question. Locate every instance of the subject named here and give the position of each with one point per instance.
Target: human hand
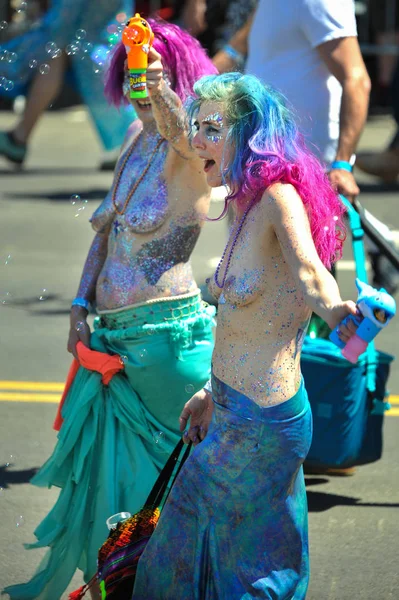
(338, 313)
(79, 329)
(154, 70)
(345, 184)
(199, 411)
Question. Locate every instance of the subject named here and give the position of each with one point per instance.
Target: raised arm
(285, 211)
(79, 329)
(167, 108)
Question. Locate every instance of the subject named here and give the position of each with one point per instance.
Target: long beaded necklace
(235, 240)
(139, 180)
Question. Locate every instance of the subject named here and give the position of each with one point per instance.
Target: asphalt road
(354, 526)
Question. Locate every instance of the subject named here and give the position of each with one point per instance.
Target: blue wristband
(81, 302)
(234, 54)
(342, 164)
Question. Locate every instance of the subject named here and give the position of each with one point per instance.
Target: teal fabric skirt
(235, 523)
(116, 438)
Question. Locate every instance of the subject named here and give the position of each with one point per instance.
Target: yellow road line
(27, 391)
(32, 386)
(21, 397)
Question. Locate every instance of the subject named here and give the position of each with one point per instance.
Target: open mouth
(208, 165)
(144, 103)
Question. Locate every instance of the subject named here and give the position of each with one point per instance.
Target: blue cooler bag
(347, 400)
(348, 404)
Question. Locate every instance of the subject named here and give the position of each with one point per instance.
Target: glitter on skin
(260, 288)
(140, 259)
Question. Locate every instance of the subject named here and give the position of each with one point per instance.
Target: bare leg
(44, 89)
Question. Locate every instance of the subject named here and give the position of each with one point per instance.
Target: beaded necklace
(139, 180)
(235, 240)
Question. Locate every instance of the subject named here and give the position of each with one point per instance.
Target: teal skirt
(235, 524)
(115, 439)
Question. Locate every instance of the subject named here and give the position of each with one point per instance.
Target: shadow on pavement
(321, 501)
(8, 478)
(96, 194)
(379, 188)
(39, 172)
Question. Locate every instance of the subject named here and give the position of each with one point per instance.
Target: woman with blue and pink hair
(235, 524)
(116, 437)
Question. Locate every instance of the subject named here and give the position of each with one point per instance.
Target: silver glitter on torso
(149, 246)
(262, 318)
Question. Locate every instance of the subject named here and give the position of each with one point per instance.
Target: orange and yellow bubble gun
(137, 38)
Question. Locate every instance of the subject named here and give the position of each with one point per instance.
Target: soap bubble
(335, 218)
(33, 63)
(143, 353)
(80, 34)
(8, 259)
(51, 47)
(6, 298)
(11, 460)
(124, 359)
(189, 388)
(96, 70)
(74, 199)
(20, 521)
(159, 441)
(72, 49)
(87, 47)
(3, 25)
(12, 57)
(326, 228)
(3, 80)
(9, 85)
(1, 492)
(79, 203)
(22, 7)
(3, 54)
(79, 326)
(44, 69)
(43, 295)
(81, 208)
(57, 53)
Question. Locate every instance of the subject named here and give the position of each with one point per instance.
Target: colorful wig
(268, 148)
(183, 58)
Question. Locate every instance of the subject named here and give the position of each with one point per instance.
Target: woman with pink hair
(235, 524)
(115, 438)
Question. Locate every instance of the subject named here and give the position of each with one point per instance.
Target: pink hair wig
(270, 149)
(183, 58)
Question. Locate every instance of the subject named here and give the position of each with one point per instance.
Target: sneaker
(14, 152)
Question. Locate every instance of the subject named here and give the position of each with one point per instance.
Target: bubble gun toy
(376, 308)
(137, 38)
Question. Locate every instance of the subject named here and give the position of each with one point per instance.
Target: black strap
(158, 491)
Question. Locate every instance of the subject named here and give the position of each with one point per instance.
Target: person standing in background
(309, 51)
(63, 40)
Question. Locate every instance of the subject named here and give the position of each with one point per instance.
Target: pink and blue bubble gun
(376, 309)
